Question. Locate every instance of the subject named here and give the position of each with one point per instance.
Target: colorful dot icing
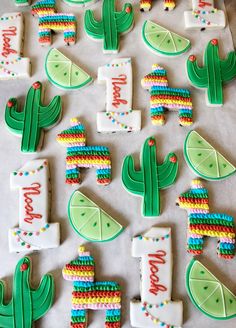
(202, 223)
(88, 294)
(79, 155)
(50, 21)
(164, 97)
(145, 5)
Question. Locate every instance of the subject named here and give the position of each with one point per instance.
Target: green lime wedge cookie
(90, 221)
(208, 294)
(204, 159)
(63, 73)
(163, 41)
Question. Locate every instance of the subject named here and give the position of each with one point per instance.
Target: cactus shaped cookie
(112, 24)
(22, 2)
(27, 305)
(151, 178)
(213, 74)
(34, 118)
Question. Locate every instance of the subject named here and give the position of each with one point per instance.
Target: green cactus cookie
(112, 24)
(22, 2)
(27, 305)
(213, 74)
(33, 119)
(151, 178)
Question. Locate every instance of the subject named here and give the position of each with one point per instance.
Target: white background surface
(113, 259)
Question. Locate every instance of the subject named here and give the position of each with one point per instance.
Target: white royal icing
(204, 15)
(34, 231)
(12, 64)
(155, 307)
(119, 116)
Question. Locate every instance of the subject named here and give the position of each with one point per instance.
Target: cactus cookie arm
(42, 298)
(125, 18)
(132, 179)
(6, 311)
(93, 27)
(228, 67)
(197, 75)
(13, 118)
(50, 114)
(167, 172)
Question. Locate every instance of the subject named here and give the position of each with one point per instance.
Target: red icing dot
(10, 104)
(192, 58)
(173, 159)
(128, 10)
(151, 142)
(36, 85)
(23, 267)
(214, 42)
(28, 246)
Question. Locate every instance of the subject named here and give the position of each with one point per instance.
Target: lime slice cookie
(205, 160)
(208, 294)
(90, 221)
(162, 41)
(63, 73)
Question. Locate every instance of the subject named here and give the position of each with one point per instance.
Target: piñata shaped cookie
(146, 5)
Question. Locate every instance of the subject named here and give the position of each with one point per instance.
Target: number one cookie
(34, 232)
(156, 309)
(204, 15)
(119, 116)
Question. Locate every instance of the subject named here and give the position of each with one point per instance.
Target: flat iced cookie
(156, 309)
(204, 159)
(79, 155)
(202, 223)
(12, 64)
(163, 98)
(52, 21)
(34, 231)
(112, 24)
(31, 122)
(63, 73)
(146, 5)
(80, 3)
(90, 221)
(162, 41)
(89, 294)
(119, 115)
(204, 15)
(208, 293)
(27, 304)
(22, 2)
(213, 74)
(151, 178)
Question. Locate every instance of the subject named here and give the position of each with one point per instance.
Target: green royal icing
(151, 178)
(22, 2)
(163, 41)
(33, 119)
(204, 159)
(27, 305)
(81, 3)
(208, 294)
(90, 221)
(111, 25)
(214, 73)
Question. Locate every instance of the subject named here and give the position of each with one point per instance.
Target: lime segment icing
(205, 160)
(63, 73)
(208, 294)
(90, 221)
(163, 41)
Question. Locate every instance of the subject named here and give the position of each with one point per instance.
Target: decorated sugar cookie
(208, 293)
(31, 122)
(22, 2)
(204, 15)
(27, 305)
(163, 97)
(202, 223)
(81, 156)
(162, 41)
(119, 115)
(34, 231)
(145, 5)
(12, 64)
(213, 74)
(63, 73)
(156, 309)
(112, 24)
(51, 21)
(90, 221)
(151, 178)
(205, 160)
(80, 3)
(91, 295)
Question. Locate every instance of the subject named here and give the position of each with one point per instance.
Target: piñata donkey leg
(145, 5)
(113, 318)
(185, 116)
(169, 4)
(157, 115)
(72, 174)
(69, 36)
(103, 176)
(226, 248)
(45, 36)
(195, 244)
(78, 319)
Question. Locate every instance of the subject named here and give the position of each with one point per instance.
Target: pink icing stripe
(72, 166)
(196, 210)
(174, 105)
(195, 236)
(76, 278)
(227, 240)
(99, 306)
